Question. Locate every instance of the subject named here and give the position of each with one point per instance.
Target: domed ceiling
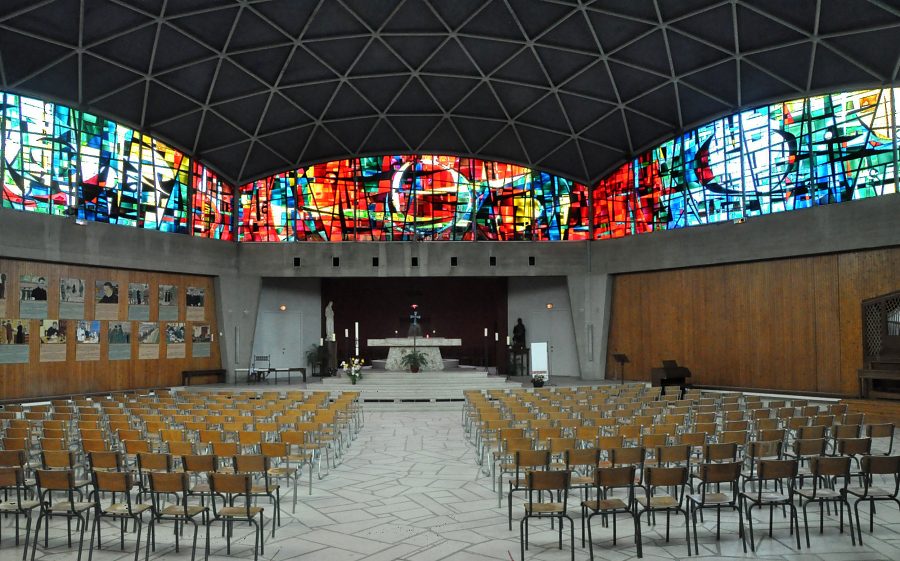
(255, 87)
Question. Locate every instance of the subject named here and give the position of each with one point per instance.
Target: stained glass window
(785, 156)
(406, 197)
(211, 205)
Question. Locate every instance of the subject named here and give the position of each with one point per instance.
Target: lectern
(622, 360)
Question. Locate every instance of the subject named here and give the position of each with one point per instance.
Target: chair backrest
(613, 477)
(719, 452)
(881, 465)
(880, 430)
(155, 462)
(830, 466)
(229, 485)
(553, 480)
(804, 447)
(105, 460)
(54, 479)
(846, 431)
(112, 482)
(765, 449)
(274, 449)
(627, 456)
(57, 459)
(666, 476)
(11, 477)
(168, 482)
(582, 457)
(532, 459)
(854, 446)
(776, 469)
(675, 454)
(225, 449)
(725, 472)
(251, 463)
(199, 463)
(12, 458)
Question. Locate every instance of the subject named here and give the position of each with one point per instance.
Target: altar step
(422, 387)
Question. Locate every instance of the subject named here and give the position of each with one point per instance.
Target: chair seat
(261, 489)
(122, 508)
(877, 492)
(200, 488)
(300, 458)
(63, 507)
(711, 498)
(605, 504)
(232, 511)
(13, 506)
(766, 498)
(581, 480)
(664, 501)
(544, 508)
(178, 510)
(820, 494)
(282, 471)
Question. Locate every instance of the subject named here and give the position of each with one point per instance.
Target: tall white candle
(346, 332)
(321, 341)
(507, 340)
(356, 329)
(485, 331)
(496, 336)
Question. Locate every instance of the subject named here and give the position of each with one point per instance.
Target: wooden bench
(186, 375)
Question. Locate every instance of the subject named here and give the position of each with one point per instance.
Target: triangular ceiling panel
(573, 85)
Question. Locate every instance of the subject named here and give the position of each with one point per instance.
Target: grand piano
(670, 375)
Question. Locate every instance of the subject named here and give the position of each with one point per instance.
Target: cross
(415, 317)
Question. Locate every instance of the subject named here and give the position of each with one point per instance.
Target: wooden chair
(550, 481)
(280, 452)
(257, 466)
(525, 461)
(12, 483)
(825, 470)
(658, 479)
(782, 473)
(716, 474)
(882, 430)
(119, 483)
(59, 481)
(883, 466)
(163, 486)
(607, 480)
(229, 486)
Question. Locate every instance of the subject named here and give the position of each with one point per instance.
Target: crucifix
(415, 330)
(414, 317)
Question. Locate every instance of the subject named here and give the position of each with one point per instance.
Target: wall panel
(36, 379)
(787, 324)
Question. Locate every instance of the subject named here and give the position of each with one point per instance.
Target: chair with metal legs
(552, 482)
(660, 478)
(885, 467)
(606, 480)
(716, 474)
(228, 487)
(825, 471)
(163, 486)
(781, 473)
(12, 482)
(59, 481)
(116, 483)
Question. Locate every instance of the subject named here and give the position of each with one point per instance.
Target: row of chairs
(569, 434)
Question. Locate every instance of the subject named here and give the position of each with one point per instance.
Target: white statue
(329, 321)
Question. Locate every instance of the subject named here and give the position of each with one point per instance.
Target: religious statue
(415, 330)
(329, 322)
(518, 338)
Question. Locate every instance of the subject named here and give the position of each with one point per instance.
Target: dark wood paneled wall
(787, 324)
(37, 379)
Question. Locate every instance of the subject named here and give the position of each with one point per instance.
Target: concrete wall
(301, 299)
(587, 266)
(528, 299)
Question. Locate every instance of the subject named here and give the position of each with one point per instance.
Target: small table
(261, 374)
(186, 375)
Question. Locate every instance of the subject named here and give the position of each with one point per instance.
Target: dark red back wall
(458, 307)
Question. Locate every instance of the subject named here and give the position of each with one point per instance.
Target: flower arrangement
(353, 368)
(537, 380)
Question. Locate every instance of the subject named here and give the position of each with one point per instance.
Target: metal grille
(873, 330)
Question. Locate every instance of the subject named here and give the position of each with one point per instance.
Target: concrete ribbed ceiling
(253, 87)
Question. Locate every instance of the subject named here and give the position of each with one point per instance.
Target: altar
(398, 347)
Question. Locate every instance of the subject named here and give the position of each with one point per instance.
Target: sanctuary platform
(422, 387)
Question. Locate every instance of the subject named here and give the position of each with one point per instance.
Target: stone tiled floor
(409, 489)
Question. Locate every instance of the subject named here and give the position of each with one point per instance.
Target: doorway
(279, 336)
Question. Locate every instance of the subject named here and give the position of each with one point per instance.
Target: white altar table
(398, 347)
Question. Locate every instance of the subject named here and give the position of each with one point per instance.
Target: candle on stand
(496, 336)
(507, 340)
(485, 331)
(321, 341)
(356, 329)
